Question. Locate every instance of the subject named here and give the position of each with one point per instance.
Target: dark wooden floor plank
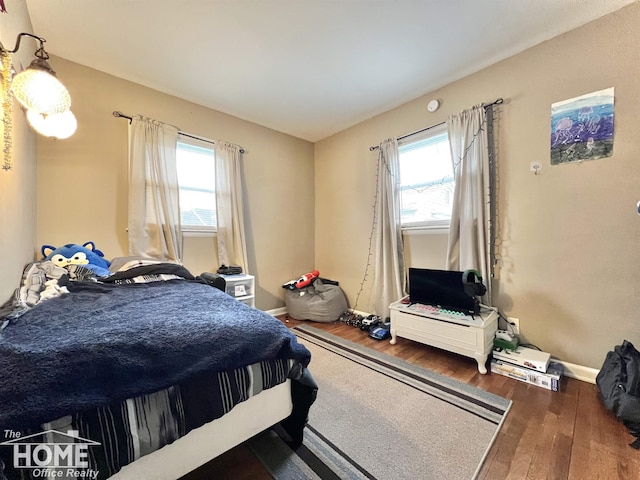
(600, 445)
(236, 464)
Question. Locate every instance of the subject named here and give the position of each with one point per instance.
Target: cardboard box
(525, 357)
(549, 380)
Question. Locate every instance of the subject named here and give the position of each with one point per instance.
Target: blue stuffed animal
(71, 254)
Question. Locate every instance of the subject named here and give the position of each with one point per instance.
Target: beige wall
(569, 238)
(18, 185)
(82, 181)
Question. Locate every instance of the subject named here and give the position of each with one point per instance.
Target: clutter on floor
(373, 324)
(525, 364)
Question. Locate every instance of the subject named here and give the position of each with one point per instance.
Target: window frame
(424, 226)
(197, 230)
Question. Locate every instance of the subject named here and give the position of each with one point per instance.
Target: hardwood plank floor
(546, 435)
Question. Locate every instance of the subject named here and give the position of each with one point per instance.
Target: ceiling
(308, 68)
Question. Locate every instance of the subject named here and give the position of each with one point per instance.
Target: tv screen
(443, 288)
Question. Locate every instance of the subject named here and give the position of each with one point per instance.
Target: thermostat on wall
(433, 105)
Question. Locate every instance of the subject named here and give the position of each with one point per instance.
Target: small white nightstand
(241, 287)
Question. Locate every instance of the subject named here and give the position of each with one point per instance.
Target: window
(426, 180)
(197, 179)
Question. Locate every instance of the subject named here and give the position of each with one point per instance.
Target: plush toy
(306, 279)
(86, 255)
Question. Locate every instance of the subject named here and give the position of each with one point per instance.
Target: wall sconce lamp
(45, 98)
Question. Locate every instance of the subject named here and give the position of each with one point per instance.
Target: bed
(150, 372)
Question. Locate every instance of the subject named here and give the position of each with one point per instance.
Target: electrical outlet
(515, 324)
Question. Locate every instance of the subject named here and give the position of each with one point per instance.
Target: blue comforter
(103, 343)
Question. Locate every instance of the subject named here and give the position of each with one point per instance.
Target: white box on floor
(549, 380)
(525, 357)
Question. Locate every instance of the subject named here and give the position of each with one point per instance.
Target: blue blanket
(104, 343)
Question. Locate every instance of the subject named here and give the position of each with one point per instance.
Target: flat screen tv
(443, 288)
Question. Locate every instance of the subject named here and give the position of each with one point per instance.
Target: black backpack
(619, 384)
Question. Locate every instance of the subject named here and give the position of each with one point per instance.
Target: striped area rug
(378, 417)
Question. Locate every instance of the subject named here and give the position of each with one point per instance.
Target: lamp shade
(37, 89)
(59, 125)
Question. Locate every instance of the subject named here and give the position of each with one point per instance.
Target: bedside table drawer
(239, 285)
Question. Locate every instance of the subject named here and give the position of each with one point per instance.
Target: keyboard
(439, 313)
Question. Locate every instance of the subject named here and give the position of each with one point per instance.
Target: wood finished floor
(546, 435)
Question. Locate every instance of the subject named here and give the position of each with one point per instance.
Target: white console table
(471, 336)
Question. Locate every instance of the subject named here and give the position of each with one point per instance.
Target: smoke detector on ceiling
(433, 105)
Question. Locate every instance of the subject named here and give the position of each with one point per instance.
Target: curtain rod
(122, 115)
(497, 102)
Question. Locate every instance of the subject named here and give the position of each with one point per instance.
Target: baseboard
(360, 312)
(283, 310)
(276, 311)
(579, 372)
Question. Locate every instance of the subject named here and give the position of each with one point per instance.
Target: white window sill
(199, 233)
(426, 230)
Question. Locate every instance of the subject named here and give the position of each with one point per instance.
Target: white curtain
(468, 245)
(154, 209)
(232, 248)
(389, 253)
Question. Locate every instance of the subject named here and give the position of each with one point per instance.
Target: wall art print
(582, 128)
